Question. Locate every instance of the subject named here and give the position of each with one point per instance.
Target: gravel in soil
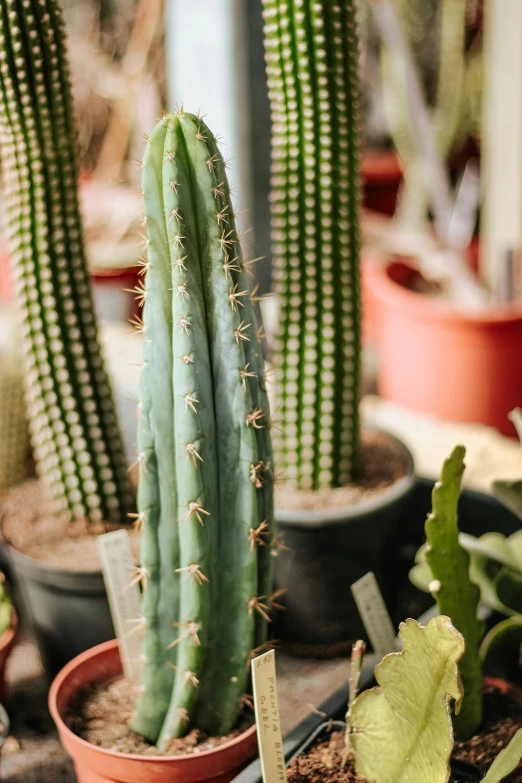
(502, 719)
(382, 463)
(324, 764)
(101, 714)
(31, 525)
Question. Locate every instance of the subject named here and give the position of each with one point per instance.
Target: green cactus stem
(312, 68)
(75, 432)
(455, 593)
(205, 496)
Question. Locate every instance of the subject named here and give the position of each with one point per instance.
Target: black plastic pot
(328, 551)
(462, 772)
(68, 610)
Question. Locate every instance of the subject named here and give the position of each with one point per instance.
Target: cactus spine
(205, 496)
(312, 66)
(75, 432)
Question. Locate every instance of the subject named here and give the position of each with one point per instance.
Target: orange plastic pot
(457, 365)
(97, 765)
(7, 640)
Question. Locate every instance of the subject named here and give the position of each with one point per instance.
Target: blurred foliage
(100, 34)
(422, 20)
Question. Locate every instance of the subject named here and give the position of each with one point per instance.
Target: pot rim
(43, 572)
(58, 683)
(314, 518)
(428, 308)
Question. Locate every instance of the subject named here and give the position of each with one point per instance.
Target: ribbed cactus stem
(312, 67)
(75, 432)
(205, 494)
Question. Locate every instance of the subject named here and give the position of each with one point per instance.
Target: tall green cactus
(312, 67)
(75, 432)
(205, 496)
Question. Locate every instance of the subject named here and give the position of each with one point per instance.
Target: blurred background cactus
(312, 67)
(447, 49)
(205, 497)
(75, 432)
(16, 462)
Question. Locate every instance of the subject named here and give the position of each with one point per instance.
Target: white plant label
(124, 596)
(374, 614)
(269, 735)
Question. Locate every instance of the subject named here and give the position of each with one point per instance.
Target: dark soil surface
(382, 464)
(101, 715)
(324, 764)
(30, 525)
(502, 719)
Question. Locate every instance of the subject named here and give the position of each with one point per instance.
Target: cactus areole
(312, 67)
(75, 433)
(205, 496)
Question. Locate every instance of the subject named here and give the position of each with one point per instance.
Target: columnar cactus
(75, 432)
(312, 67)
(205, 496)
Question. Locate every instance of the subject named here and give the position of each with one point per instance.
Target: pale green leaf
(421, 576)
(402, 730)
(509, 493)
(501, 648)
(506, 761)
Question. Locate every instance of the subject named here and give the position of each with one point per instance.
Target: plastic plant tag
(269, 735)
(124, 596)
(374, 614)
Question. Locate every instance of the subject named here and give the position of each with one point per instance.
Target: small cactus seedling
(205, 497)
(77, 443)
(312, 68)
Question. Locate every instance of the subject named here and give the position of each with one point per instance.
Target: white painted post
(207, 71)
(501, 146)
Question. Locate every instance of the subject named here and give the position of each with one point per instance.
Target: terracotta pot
(457, 365)
(97, 765)
(505, 687)
(381, 179)
(6, 287)
(7, 640)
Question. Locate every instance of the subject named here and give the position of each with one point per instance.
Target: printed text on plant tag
(374, 614)
(267, 718)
